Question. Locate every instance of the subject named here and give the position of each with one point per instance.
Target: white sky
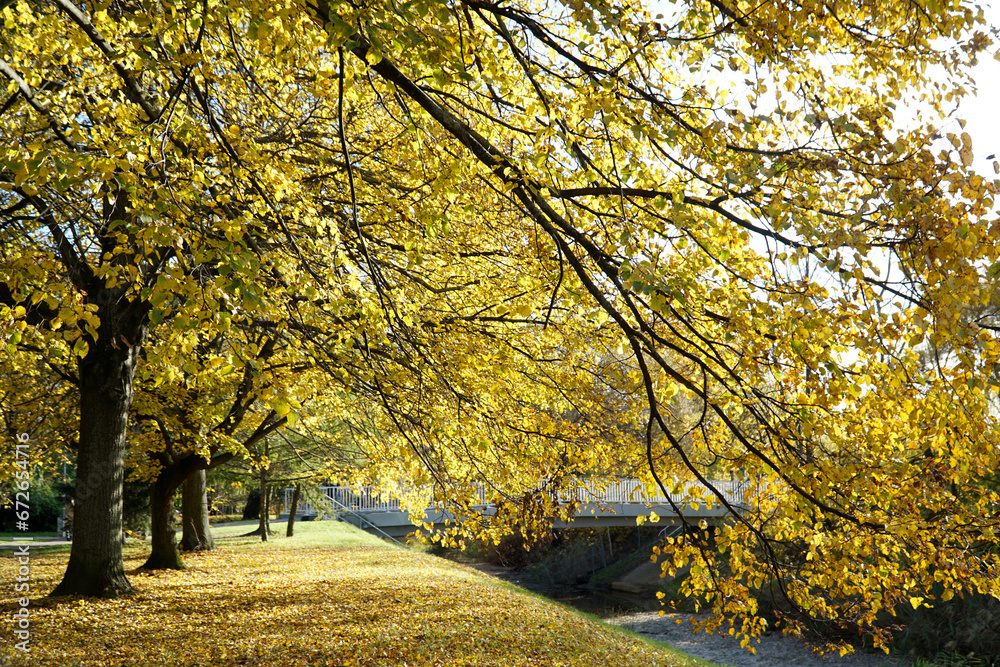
(982, 113)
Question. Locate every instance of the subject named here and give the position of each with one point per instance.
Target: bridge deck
(615, 504)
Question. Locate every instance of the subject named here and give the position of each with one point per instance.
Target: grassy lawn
(332, 595)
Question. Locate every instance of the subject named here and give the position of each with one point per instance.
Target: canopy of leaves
(215, 194)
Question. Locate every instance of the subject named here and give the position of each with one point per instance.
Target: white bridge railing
(625, 491)
(633, 491)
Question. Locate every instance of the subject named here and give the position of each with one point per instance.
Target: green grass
(308, 535)
(332, 595)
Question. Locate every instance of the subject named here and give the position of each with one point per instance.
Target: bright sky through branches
(982, 112)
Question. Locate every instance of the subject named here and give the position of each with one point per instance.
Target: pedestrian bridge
(617, 503)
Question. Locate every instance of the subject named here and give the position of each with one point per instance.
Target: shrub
(45, 506)
(966, 626)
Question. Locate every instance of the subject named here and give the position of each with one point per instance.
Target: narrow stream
(597, 600)
(600, 603)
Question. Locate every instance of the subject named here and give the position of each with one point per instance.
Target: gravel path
(775, 649)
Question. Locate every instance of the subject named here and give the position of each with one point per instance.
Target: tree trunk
(197, 533)
(291, 512)
(107, 371)
(164, 554)
(265, 507)
(251, 510)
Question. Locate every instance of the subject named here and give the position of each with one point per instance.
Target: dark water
(600, 603)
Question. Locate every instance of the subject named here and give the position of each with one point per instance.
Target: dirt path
(725, 650)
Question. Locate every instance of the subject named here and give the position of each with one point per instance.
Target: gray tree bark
(291, 511)
(107, 372)
(164, 554)
(197, 533)
(265, 507)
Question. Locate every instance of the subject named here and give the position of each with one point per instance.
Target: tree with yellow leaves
(460, 208)
(188, 224)
(675, 201)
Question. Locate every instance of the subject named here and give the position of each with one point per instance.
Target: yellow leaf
(966, 155)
